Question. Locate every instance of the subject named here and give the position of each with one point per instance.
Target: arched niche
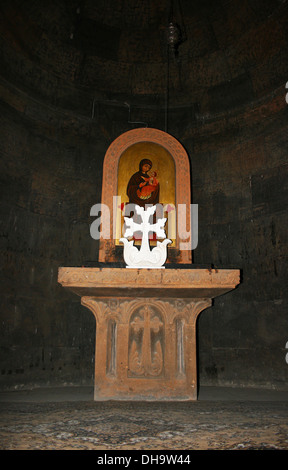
(173, 170)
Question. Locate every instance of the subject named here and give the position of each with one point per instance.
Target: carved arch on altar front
(143, 139)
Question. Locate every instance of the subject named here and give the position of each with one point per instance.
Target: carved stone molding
(123, 308)
(175, 283)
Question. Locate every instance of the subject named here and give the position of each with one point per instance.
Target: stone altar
(146, 327)
(146, 318)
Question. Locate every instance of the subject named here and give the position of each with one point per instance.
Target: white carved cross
(145, 227)
(144, 257)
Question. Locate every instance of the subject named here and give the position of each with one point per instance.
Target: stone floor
(68, 419)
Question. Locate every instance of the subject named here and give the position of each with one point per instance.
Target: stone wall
(240, 183)
(50, 177)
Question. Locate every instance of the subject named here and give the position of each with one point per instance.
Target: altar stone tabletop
(173, 283)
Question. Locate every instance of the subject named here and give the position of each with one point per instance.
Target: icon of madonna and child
(143, 189)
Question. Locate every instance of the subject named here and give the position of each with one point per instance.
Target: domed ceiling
(233, 52)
